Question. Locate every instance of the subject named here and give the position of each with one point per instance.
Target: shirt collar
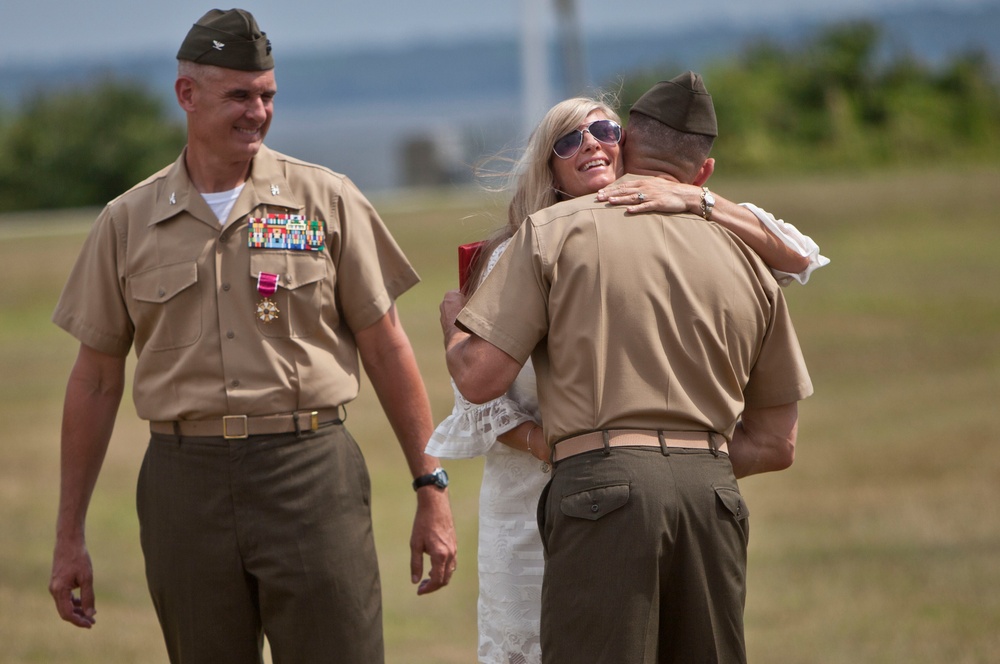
(266, 185)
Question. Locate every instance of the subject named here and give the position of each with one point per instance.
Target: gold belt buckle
(314, 420)
(230, 420)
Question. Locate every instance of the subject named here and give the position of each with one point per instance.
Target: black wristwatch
(438, 477)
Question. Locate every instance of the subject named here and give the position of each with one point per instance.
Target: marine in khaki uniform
(667, 367)
(249, 283)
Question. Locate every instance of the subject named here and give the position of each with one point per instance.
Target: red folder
(468, 254)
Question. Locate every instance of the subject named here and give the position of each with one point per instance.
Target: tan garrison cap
(229, 39)
(682, 103)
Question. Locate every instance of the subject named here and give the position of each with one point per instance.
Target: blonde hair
(532, 177)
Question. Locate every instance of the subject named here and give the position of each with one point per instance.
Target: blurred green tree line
(833, 103)
(83, 146)
(838, 102)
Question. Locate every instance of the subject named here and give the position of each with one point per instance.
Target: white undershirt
(222, 202)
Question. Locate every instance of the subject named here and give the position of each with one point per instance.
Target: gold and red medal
(285, 232)
(267, 285)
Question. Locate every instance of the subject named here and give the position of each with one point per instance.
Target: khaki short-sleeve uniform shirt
(160, 272)
(639, 321)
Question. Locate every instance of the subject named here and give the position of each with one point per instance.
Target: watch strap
(437, 477)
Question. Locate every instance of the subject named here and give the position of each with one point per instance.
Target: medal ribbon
(267, 284)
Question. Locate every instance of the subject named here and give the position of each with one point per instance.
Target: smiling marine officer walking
(249, 283)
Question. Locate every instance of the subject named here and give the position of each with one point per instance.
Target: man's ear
(704, 172)
(184, 89)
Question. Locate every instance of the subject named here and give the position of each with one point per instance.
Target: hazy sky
(41, 30)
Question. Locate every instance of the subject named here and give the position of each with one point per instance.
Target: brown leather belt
(596, 440)
(244, 426)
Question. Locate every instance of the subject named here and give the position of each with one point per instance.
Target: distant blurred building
(433, 160)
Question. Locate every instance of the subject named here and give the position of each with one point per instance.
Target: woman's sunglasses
(608, 132)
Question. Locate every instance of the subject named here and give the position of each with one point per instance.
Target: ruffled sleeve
(472, 429)
(801, 244)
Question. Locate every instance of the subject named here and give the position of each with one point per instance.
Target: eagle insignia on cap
(217, 45)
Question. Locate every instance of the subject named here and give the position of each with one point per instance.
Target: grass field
(880, 545)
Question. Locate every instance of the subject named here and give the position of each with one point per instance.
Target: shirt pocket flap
(162, 283)
(294, 269)
(594, 503)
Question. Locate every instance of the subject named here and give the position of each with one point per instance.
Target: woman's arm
(472, 429)
(797, 241)
(527, 437)
(780, 245)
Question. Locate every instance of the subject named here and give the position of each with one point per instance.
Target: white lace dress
(510, 550)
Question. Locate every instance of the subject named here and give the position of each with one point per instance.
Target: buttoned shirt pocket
(167, 306)
(595, 503)
(302, 296)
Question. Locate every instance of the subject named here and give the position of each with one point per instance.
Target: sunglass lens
(606, 131)
(567, 146)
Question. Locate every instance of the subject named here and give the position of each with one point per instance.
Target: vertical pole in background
(535, 88)
(571, 48)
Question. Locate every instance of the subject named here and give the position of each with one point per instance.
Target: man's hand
(433, 534)
(71, 569)
(93, 393)
(392, 368)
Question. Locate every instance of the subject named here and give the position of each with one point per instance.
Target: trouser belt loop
(712, 445)
(177, 431)
(663, 443)
(298, 427)
(607, 442)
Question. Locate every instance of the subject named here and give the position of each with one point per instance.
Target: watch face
(440, 478)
